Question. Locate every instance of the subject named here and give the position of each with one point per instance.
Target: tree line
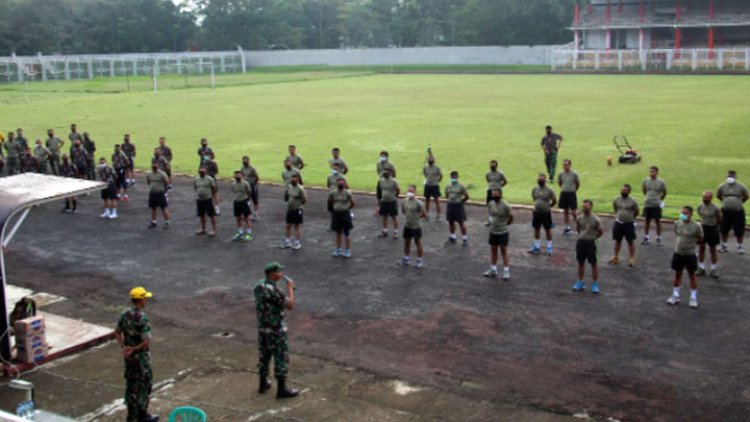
(129, 26)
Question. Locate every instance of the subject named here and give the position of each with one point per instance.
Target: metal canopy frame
(18, 195)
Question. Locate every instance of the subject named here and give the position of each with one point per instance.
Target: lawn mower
(627, 154)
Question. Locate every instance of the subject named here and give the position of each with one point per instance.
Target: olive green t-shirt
(296, 161)
(412, 209)
(286, 175)
(687, 235)
(41, 153)
(250, 174)
(432, 175)
(241, 190)
(54, 144)
(296, 196)
(342, 199)
(588, 227)
(569, 181)
(500, 213)
(455, 193)
(543, 197)
(495, 180)
(625, 208)
(385, 165)
(157, 181)
(710, 214)
(733, 196)
(388, 189)
(340, 161)
(203, 186)
(333, 180)
(654, 188)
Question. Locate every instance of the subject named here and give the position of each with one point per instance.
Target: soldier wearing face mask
(335, 176)
(341, 202)
(414, 211)
(688, 234)
(733, 196)
(109, 194)
(250, 173)
(711, 218)
(626, 210)
(501, 217)
(544, 199)
(241, 191)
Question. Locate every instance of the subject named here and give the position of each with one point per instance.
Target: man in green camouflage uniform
(133, 333)
(270, 305)
(54, 144)
(551, 145)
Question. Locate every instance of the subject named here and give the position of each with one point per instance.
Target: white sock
(702, 266)
(407, 258)
(537, 243)
(239, 230)
(658, 238)
(453, 236)
(395, 231)
(506, 269)
(694, 294)
(549, 243)
(465, 237)
(713, 267)
(287, 240)
(493, 268)
(153, 221)
(676, 292)
(723, 245)
(385, 230)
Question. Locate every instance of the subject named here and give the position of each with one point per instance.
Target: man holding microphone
(270, 305)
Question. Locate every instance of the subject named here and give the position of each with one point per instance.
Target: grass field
(693, 127)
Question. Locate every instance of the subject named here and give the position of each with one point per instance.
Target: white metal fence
(66, 68)
(684, 60)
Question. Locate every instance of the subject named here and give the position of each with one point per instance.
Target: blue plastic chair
(187, 414)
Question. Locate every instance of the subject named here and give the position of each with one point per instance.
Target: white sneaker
(740, 249)
(490, 273)
(673, 300)
(693, 302)
(113, 215)
(297, 245)
(506, 274)
(285, 244)
(419, 264)
(105, 214)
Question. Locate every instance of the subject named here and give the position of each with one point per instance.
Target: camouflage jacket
(134, 326)
(269, 305)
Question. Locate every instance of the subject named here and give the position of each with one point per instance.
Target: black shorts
(415, 234)
(711, 235)
(456, 213)
(120, 181)
(241, 209)
(541, 219)
(432, 191)
(157, 200)
(652, 213)
(294, 217)
(205, 207)
(733, 220)
(131, 163)
(568, 201)
(626, 230)
(586, 251)
(254, 194)
(389, 209)
(685, 262)
(341, 221)
(110, 192)
(489, 196)
(499, 239)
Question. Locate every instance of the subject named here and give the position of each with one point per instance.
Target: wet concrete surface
(528, 342)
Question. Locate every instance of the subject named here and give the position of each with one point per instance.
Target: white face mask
(383, 158)
(410, 195)
(334, 172)
(731, 180)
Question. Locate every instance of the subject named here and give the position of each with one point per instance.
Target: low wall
(513, 55)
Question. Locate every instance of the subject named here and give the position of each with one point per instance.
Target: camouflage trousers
(551, 161)
(12, 165)
(54, 164)
(273, 345)
(138, 380)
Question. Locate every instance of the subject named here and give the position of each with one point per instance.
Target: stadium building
(659, 34)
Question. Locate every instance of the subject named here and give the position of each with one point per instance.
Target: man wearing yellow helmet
(133, 333)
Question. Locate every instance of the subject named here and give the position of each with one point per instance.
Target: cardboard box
(35, 354)
(29, 327)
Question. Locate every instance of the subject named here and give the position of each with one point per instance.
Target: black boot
(145, 417)
(133, 414)
(284, 393)
(264, 386)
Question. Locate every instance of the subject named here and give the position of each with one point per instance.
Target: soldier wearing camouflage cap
(273, 342)
(133, 333)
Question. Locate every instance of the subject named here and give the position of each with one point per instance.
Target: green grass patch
(692, 127)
